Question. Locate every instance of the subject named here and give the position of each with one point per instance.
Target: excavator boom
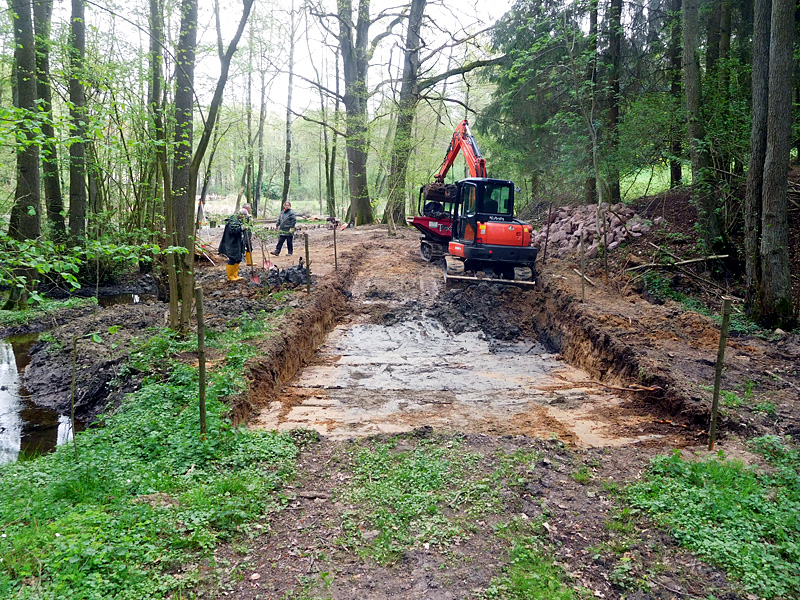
(463, 142)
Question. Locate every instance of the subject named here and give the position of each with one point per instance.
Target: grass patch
(429, 494)
(741, 518)
(17, 318)
(530, 574)
(147, 500)
(659, 286)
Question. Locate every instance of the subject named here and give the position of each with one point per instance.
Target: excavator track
(455, 275)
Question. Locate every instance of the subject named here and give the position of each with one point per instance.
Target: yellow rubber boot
(233, 272)
(248, 258)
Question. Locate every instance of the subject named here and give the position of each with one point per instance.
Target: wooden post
(583, 271)
(335, 251)
(201, 358)
(605, 245)
(72, 395)
(547, 234)
(723, 340)
(308, 266)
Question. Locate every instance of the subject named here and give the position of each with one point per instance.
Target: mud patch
(372, 379)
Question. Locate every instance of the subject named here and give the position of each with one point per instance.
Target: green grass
(531, 573)
(636, 185)
(429, 494)
(745, 519)
(148, 500)
(660, 287)
(15, 318)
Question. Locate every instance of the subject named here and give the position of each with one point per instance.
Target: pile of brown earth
(564, 227)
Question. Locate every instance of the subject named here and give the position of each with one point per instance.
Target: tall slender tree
(54, 202)
(77, 101)
(775, 290)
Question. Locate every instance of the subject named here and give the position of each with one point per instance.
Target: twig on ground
(589, 281)
(779, 378)
(633, 388)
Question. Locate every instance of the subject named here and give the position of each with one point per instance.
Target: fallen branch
(635, 388)
(679, 263)
(779, 378)
(589, 281)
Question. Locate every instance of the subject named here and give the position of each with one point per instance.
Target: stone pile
(568, 223)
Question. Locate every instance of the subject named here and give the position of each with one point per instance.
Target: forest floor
(466, 443)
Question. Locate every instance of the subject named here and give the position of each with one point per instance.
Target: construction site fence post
(308, 265)
(335, 251)
(723, 340)
(583, 271)
(201, 358)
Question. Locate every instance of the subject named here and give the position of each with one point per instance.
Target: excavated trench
(387, 350)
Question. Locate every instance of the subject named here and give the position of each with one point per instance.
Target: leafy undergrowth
(531, 574)
(16, 318)
(136, 516)
(429, 495)
(745, 519)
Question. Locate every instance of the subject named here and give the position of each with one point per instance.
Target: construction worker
(232, 243)
(248, 236)
(286, 222)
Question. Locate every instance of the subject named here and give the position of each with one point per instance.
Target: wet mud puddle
(370, 379)
(24, 427)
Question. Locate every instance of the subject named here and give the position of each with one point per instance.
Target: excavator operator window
(470, 200)
(497, 200)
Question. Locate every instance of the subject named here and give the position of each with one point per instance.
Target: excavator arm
(463, 142)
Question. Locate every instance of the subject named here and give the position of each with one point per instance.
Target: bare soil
(597, 387)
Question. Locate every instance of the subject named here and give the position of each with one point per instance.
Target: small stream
(25, 428)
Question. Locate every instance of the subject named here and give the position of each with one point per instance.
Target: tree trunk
(25, 220)
(590, 185)
(185, 201)
(762, 14)
(77, 98)
(776, 284)
(54, 202)
(182, 193)
(615, 52)
(287, 160)
(262, 115)
(353, 44)
(703, 192)
(674, 53)
(406, 109)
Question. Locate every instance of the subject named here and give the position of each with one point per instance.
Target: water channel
(25, 429)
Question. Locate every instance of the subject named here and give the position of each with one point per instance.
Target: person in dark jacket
(233, 244)
(286, 222)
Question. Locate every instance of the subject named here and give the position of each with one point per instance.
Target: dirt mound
(484, 307)
(98, 384)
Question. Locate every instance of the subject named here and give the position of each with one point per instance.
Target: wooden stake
(308, 266)
(201, 359)
(723, 340)
(335, 252)
(547, 234)
(72, 395)
(583, 271)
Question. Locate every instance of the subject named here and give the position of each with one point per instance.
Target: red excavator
(471, 222)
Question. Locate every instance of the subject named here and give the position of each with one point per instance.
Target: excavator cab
(486, 236)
